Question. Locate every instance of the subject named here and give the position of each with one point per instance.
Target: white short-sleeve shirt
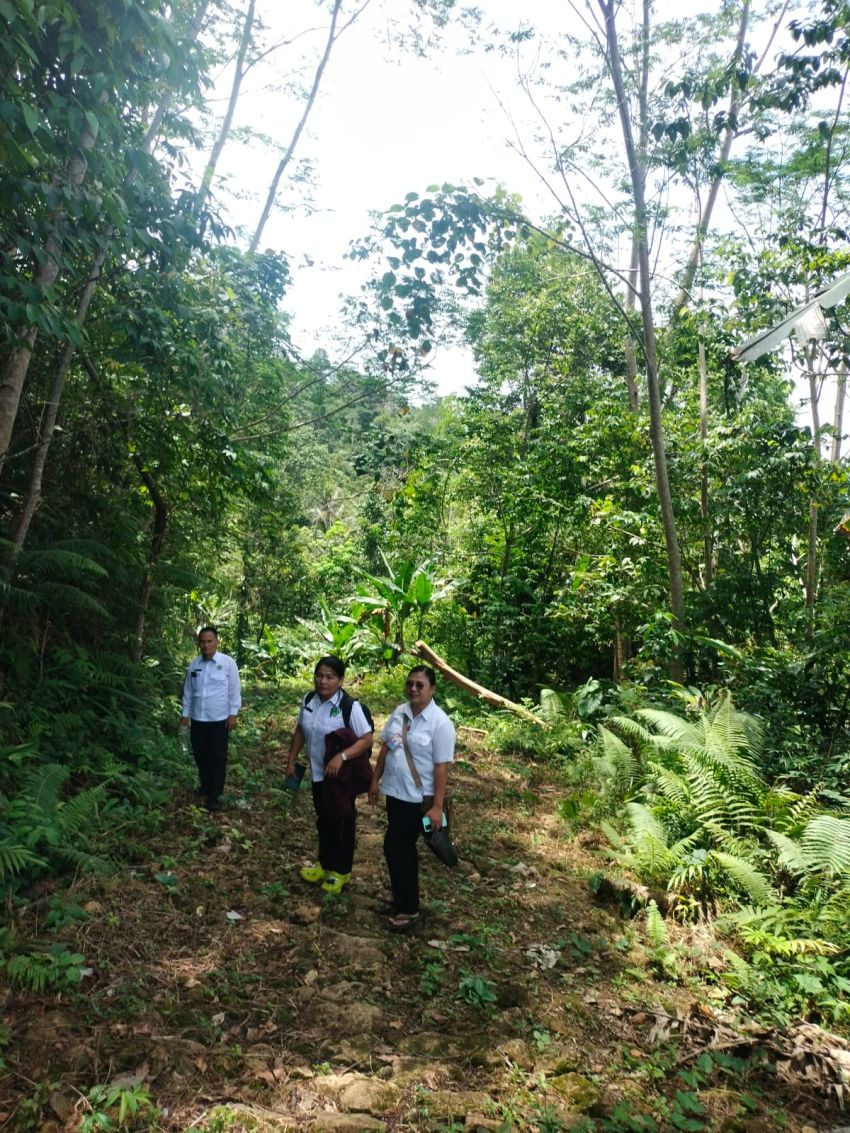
(320, 717)
(431, 739)
(211, 690)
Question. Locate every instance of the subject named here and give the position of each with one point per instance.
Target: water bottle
(183, 734)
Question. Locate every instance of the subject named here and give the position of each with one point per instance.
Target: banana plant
(338, 632)
(384, 603)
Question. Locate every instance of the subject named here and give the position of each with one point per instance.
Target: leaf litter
(512, 984)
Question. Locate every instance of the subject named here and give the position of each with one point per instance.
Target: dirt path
(236, 997)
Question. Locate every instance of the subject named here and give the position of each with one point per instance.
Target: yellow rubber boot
(336, 882)
(313, 874)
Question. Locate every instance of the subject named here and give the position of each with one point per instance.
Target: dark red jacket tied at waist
(355, 775)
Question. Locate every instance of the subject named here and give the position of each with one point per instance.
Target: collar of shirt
(425, 714)
(215, 657)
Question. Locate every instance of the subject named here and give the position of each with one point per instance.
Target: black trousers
(209, 747)
(404, 825)
(336, 835)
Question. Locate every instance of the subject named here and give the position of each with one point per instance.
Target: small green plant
(114, 1107)
(546, 1119)
(56, 968)
(433, 975)
(221, 1121)
(477, 992)
(274, 889)
(542, 1038)
(60, 914)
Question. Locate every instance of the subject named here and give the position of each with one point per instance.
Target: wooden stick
(420, 649)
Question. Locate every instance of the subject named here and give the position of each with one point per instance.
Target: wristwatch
(343, 756)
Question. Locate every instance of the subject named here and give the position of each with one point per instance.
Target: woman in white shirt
(417, 746)
(321, 713)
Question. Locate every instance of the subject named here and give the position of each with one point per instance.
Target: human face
(326, 682)
(207, 644)
(419, 691)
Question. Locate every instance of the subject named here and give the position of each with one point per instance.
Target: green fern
(826, 844)
(16, 859)
(55, 829)
(70, 599)
(791, 854)
(747, 877)
(618, 761)
(656, 929)
(60, 562)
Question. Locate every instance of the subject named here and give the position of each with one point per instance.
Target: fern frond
(613, 836)
(741, 975)
(15, 859)
(670, 785)
(80, 813)
(671, 726)
(17, 598)
(826, 844)
(42, 786)
(747, 877)
(791, 855)
(55, 562)
(631, 729)
(643, 821)
(83, 861)
(656, 929)
(804, 809)
(71, 600)
(618, 756)
(833, 914)
(731, 730)
(731, 842)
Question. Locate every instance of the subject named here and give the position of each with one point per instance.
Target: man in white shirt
(212, 697)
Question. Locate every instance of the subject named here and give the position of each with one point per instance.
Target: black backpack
(346, 704)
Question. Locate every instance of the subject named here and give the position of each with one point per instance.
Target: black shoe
(215, 804)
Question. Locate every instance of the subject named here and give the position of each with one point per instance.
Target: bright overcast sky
(386, 123)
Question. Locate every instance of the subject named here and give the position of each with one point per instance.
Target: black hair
(333, 663)
(208, 629)
(427, 670)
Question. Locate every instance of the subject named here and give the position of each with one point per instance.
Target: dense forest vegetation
(621, 525)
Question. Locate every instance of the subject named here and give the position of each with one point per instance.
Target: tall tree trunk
(704, 223)
(17, 365)
(631, 345)
(157, 542)
(51, 409)
(838, 425)
(707, 537)
(224, 132)
(302, 122)
(637, 174)
(48, 421)
(812, 559)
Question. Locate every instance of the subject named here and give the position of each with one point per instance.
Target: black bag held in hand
(439, 842)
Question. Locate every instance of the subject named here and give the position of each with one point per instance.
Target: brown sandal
(402, 922)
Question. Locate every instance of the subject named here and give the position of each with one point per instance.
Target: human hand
(230, 723)
(332, 769)
(183, 722)
(436, 816)
(374, 794)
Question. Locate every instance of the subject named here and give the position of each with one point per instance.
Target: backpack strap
(346, 704)
(405, 724)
